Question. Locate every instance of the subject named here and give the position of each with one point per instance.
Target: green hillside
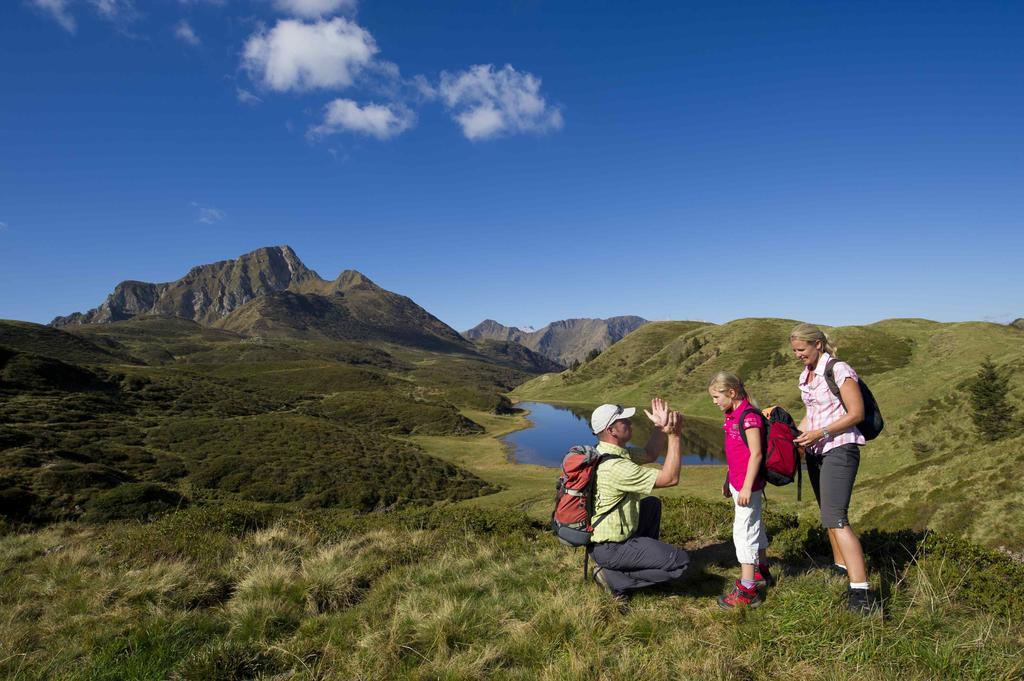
(928, 469)
(43, 340)
(204, 505)
(217, 416)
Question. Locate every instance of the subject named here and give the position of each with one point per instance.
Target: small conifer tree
(992, 413)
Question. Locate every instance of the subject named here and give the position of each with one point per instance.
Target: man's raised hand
(673, 424)
(658, 413)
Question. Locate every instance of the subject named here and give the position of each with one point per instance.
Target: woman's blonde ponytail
(809, 333)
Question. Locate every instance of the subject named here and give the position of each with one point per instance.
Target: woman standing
(832, 444)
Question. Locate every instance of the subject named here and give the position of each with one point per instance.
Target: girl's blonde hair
(723, 381)
(809, 333)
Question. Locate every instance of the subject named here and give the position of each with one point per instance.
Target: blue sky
(524, 161)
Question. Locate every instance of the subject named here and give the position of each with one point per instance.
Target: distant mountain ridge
(204, 295)
(563, 341)
(270, 292)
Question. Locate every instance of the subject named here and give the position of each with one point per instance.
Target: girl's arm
(753, 436)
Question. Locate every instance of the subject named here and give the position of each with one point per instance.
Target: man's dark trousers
(641, 560)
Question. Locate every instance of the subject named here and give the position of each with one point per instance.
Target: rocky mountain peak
(206, 293)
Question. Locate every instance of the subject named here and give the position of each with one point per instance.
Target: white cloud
(118, 12)
(375, 120)
(312, 9)
(183, 31)
(207, 214)
(246, 97)
(114, 9)
(488, 103)
(423, 87)
(298, 56)
(58, 9)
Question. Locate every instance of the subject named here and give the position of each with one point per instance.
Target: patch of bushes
(68, 477)
(288, 458)
(43, 373)
(392, 413)
(353, 479)
(20, 458)
(135, 501)
(16, 502)
(986, 580)
(12, 437)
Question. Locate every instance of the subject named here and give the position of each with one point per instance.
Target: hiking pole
(586, 561)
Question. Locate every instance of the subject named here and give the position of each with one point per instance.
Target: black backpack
(873, 423)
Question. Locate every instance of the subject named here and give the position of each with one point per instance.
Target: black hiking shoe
(861, 601)
(837, 571)
(621, 599)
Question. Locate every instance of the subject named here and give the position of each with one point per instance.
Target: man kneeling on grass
(625, 544)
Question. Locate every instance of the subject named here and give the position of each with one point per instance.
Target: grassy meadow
(928, 469)
(184, 503)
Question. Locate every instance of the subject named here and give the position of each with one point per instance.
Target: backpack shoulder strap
(830, 376)
(743, 431)
(597, 521)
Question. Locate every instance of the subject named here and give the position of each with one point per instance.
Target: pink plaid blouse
(824, 408)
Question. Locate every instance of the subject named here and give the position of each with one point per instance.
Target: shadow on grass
(888, 554)
(697, 581)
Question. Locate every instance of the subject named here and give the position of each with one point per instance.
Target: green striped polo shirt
(616, 478)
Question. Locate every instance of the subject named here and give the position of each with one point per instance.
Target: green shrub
(135, 501)
(985, 579)
(17, 503)
(43, 373)
(67, 477)
(393, 413)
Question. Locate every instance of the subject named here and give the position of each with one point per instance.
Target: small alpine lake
(556, 428)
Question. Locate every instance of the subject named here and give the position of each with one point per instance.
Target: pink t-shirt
(737, 454)
(824, 408)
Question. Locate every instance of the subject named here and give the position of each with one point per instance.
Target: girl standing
(832, 444)
(744, 439)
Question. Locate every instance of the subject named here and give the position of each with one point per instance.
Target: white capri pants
(748, 533)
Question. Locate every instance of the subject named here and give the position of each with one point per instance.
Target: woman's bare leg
(851, 552)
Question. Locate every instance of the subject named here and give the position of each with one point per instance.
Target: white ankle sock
(859, 585)
(840, 565)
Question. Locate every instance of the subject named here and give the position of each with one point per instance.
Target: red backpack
(780, 463)
(574, 496)
(572, 521)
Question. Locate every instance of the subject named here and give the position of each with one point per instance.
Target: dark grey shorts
(832, 475)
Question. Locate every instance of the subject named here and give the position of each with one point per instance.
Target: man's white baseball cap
(607, 414)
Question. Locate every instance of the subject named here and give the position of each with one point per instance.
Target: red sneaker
(740, 596)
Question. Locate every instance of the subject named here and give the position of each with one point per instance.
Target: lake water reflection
(556, 428)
